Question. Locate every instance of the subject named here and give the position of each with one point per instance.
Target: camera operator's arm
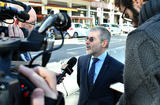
(37, 97)
(41, 78)
(45, 81)
(15, 31)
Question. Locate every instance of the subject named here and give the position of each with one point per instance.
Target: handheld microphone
(61, 21)
(67, 68)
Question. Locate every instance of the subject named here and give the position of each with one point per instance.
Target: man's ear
(105, 43)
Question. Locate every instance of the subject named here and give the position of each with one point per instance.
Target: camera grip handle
(26, 82)
(29, 87)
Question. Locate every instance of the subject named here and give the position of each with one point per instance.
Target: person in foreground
(97, 70)
(142, 62)
(45, 81)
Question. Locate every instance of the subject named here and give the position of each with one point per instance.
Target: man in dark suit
(95, 77)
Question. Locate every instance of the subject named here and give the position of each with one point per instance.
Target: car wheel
(67, 36)
(75, 35)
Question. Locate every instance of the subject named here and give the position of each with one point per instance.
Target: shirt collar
(102, 56)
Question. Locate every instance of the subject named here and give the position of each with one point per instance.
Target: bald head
(33, 16)
(32, 19)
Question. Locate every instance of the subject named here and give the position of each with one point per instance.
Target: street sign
(99, 12)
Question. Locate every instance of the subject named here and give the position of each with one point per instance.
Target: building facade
(91, 12)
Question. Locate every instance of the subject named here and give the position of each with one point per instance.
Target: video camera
(15, 89)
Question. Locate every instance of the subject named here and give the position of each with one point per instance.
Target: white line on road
(75, 48)
(116, 42)
(85, 46)
(117, 48)
(113, 49)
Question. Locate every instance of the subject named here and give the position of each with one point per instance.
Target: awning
(3, 4)
(61, 8)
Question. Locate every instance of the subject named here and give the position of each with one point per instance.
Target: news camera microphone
(61, 21)
(67, 68)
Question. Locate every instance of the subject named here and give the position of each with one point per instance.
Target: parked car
(126, 28)
(78, 30)
(57, 33)
(112, 28)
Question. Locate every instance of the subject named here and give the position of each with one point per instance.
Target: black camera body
(16, 89)
(9, 91)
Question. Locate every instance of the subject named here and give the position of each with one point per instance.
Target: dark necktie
(91, 72)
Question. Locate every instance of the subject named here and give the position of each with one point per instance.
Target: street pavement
(76, 47)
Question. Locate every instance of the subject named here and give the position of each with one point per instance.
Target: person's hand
(41, 78)
(15, 31)
(61, 80)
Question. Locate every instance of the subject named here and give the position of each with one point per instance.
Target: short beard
(136, 19)
(135, 16)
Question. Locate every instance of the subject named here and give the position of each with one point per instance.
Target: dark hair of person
(129, 4)
(126, 3)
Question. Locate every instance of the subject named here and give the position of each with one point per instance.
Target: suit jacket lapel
(86, 70)
(102, 72)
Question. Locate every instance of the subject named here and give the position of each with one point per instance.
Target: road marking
(116, 42)
(76, 48)
(117, 48)
(85, 46)
(66, 59)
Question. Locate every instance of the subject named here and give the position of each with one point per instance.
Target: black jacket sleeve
(59, 101)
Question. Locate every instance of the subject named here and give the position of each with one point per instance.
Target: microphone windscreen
(72, 62)
(61, 17)
(63, 22)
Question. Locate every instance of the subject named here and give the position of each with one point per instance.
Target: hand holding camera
(41, 78)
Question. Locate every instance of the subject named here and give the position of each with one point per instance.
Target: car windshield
(105, 25)
(114, 25)
(85, 26)
(78, 26)
(130, 25)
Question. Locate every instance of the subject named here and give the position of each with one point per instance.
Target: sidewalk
(69, 85)
(70, 81)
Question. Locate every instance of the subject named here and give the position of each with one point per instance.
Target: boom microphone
(61, 21)
(67, 69)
